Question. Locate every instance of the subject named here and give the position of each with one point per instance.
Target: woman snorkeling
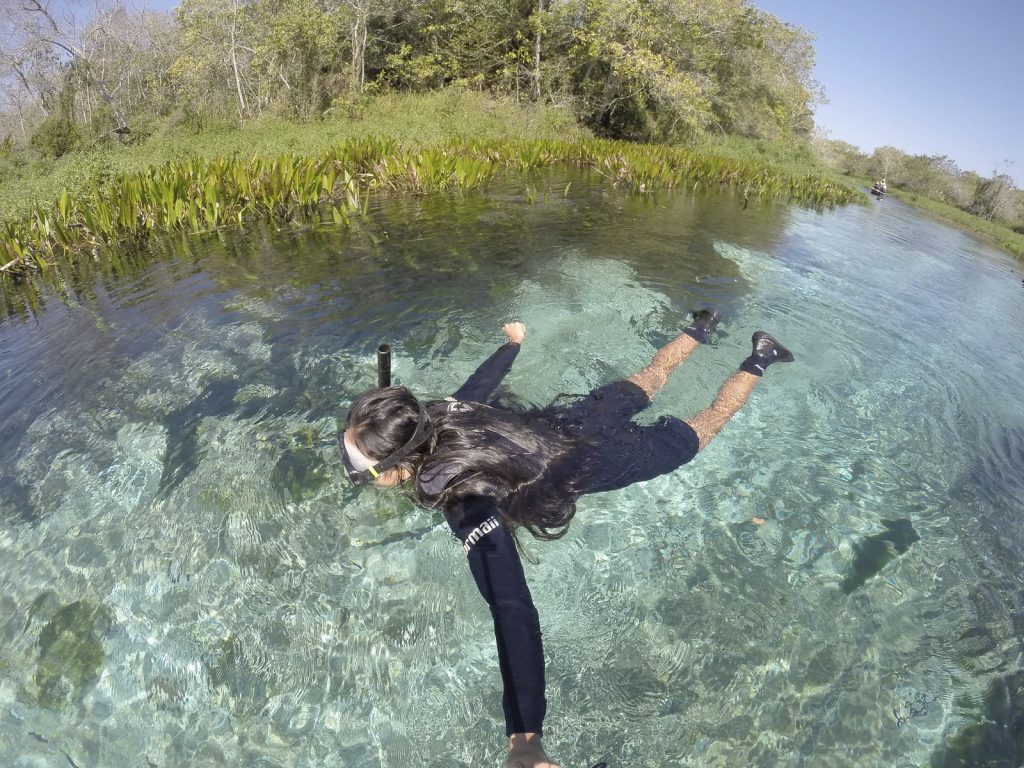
(492, 471)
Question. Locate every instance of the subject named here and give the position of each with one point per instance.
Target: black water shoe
(766, 351)
(704, 322)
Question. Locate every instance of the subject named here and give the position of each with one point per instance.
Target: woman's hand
(515, 332)
(526, 751)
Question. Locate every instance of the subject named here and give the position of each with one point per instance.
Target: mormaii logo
(479, 532)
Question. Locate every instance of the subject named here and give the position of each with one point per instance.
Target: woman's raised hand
(515, 332)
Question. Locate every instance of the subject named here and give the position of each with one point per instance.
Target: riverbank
(452, 140)
(993, 233)
(1001, 237)
(28, 180)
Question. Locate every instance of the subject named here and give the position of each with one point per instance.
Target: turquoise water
(187, 580)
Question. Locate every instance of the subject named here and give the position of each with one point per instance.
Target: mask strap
(424, 428)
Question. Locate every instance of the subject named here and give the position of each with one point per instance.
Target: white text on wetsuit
(479, 532)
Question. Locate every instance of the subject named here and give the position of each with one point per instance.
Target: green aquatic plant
(199, 194)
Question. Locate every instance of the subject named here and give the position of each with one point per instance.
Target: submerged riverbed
(188, 580)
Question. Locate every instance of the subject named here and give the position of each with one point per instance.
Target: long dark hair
(522, 462)
(383, 420)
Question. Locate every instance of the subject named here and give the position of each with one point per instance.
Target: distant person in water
(492, 471)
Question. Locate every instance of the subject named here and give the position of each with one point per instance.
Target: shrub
(56, 136)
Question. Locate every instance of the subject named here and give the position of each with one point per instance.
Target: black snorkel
(383, 366)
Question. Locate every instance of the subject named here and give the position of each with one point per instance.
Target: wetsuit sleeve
(481, 385)
(498, 572)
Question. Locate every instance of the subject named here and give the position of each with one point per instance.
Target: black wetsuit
(618, 453)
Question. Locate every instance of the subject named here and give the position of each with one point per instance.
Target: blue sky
(933, 77)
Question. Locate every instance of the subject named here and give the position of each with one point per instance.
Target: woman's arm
(499, 576)
(481, 385)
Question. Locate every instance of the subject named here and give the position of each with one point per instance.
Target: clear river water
(186, 579)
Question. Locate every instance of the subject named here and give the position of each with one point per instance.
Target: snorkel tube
(383, 366)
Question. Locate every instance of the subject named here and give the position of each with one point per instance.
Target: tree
(887, 162)
(763, 69)
(963, 188)
(132, 51)
(626, 72)
(58, 134)
(677, 68)
(996, 197)
(839, 155)
(537, 21)
(488, 44)
(359, 23)
(641, 69)
(35, 24)
(29, 79)
(215, 50)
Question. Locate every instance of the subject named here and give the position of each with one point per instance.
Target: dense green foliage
(626, 68)
(81, 107)
(58, 134)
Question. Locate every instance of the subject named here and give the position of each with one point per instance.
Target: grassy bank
(28, 181)
(793, 159)
(455, 140)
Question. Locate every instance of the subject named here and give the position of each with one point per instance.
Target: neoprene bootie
(704, 321)
(766, 351)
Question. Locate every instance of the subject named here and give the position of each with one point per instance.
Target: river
(188, 580)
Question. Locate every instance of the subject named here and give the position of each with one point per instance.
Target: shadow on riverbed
(872, 553)
(183, 427)
(300, 469)
(16, 503)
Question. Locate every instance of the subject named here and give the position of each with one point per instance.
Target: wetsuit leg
(633, 453)
(616, 451)
(610, 406)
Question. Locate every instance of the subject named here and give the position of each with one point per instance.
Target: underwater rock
(301, 472)
(873, 552)
(70, 653)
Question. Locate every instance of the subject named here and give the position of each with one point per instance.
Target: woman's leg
(731, 397)
(668, 358)
(737, 388)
